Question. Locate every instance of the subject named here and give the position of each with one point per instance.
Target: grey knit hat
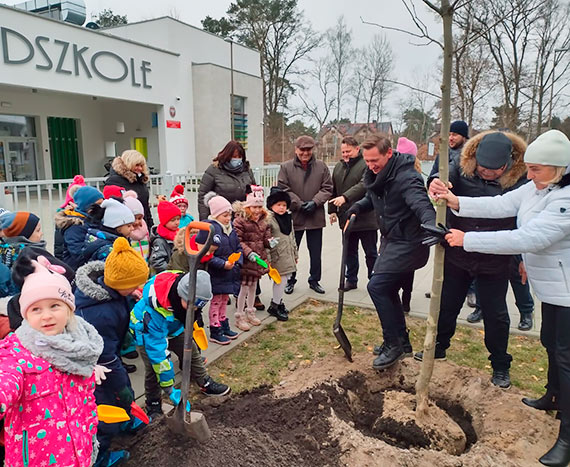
(550, 148)
(203, 286)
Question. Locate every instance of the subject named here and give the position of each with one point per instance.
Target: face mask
(235, 163)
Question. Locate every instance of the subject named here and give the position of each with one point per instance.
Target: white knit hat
(116, 214)
(550, 148)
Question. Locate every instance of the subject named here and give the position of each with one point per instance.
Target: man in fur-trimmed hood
(491, 164)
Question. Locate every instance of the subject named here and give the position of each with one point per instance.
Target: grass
(281, 347)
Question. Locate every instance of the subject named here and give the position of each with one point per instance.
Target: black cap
(277, 194)
(459, 127)
(494, 151)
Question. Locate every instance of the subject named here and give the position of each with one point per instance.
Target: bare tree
(339, 39)
(356, 85)
(321, 74)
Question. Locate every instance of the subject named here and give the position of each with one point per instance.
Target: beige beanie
(550, 148)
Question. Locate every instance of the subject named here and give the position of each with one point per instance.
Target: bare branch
(437, 96)
(423, 36)
(432, 6)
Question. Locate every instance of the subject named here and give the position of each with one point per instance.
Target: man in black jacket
(348, 188)
(396, 192)
(490, 164)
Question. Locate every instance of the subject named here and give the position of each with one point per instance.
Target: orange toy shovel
(234, 257)
(112, 414)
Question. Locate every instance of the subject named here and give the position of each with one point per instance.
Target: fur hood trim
(86, 280)
(239, 211)
(65, 219)
(121, 169)
(513, 174)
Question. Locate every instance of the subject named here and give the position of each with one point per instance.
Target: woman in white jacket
(542, 236)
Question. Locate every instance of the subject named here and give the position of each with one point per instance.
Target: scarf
(234, 170)
(285, 222)
(75, 351)
(227, 229)
(166, 233)
(141, 233)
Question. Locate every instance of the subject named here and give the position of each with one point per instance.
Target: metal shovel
(185, 421)
(338, 331)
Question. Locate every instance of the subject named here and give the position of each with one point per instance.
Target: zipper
(25, 456)
(564, 274)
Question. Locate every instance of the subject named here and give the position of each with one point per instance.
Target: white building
(71, 98)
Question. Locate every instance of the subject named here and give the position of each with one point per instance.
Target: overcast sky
(411, 63)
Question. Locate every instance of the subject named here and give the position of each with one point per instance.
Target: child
(140, 239)
(284, 253)
(118, 221)
(101, 299)
(162, 238)
(179, 261)
(68, 205)
(224, 275)
(254, 234)
(178, 199)
(157, 321)
(46, 377)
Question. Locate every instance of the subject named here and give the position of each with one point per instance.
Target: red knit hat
(113, 190)
(177, 197)
(166, 211)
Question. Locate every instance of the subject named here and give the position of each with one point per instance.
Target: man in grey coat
(308, 182)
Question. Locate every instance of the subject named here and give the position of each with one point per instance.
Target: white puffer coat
(542, 236)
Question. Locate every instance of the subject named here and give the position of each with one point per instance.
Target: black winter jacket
(400, 201)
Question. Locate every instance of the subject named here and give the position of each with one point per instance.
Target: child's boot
(227, 331)
(282, 307)
(217, 335)
(275, 310)
(111, 458)
(251, 318)
(241, 321)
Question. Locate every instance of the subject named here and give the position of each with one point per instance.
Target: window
(239, 121)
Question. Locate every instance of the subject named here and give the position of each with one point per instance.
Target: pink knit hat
(47, 281)
(406, 146)
(78, 181)
(132, 202)
(217, 204)
(255, 198)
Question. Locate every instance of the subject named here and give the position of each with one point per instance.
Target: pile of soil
(334, 413)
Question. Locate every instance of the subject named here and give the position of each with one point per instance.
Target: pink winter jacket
(51, 416)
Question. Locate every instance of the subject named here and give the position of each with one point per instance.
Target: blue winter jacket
(108, 312)
(153, 323)
(225, 281)
(98, 243)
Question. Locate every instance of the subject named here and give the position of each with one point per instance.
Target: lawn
(307, 336)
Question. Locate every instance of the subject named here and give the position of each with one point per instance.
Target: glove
(100, 371)
(175, 396)
(273, 242)
(308, 206)
(353, 210)
(253, 257)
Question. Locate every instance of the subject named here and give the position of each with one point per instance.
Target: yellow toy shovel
(112, 414)
(199, 336)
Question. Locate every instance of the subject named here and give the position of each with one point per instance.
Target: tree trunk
(426, 371)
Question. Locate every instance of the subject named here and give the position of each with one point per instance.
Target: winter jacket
(347, 182)
(313, 184)
(466, 182)
(71, 228)
(254, 237)
(48, 412)
(10, 249)
(179, 260)
(98, 243)
(160, 252)
(225, 281)
(542, 235)
(7, 286)
(453, 153)
(120, 175)
(226, 182)
(283, 256)
(109, 313)
(400, 201)
(154, 323)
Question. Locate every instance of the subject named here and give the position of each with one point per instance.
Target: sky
(411, 63)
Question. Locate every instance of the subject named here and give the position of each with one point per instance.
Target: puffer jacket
(313, 184)
(10, 249)
(224, 181)
(98, 243)
(70, 229)
(400, 201)
(466, 182)
(160, 252)
(108, 312)
(120, 175)
(225, 281)
(153, 323)
(48, 412)
(284, 255)
(254, 237)
(347, 182)
(542, 234)
(453, 154)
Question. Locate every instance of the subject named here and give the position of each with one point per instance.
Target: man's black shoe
(501, 379)
(406, 346)
(316, 287)
(546, 402)
(475, 316)
(525, 322)
(258, 305)
(439, 355)
(390, 354)
(559, 454)
(349, 286)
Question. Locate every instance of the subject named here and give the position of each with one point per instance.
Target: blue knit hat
(85, 197)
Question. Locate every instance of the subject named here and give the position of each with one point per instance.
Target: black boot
(284, 308)
(547, 402)
(290, 285)
(275, 310)
(559, 454)
(391, 353)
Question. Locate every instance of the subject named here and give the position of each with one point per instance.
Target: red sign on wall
(172, 124)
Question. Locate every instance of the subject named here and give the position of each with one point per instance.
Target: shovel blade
(111, 414)
(274, 274)
(343, 341)
(200, 337)
(234, 257)
(192, 425)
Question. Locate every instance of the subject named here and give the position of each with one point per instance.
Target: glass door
(3, 149)
(20, 160)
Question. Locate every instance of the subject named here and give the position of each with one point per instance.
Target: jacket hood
(87, 282)
(239, 211)
(118, 166)
(512, 175)
(162, 285)
(67, 218)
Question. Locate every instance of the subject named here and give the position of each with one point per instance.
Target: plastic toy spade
(200, 336)
(234, 257)
(112, 414)
(273, 273)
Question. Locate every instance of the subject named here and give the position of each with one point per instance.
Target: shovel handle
(199, 225)
(349, 223)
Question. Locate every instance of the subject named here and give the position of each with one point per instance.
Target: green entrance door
(63, 147)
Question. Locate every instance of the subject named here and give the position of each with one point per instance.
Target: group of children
(72, 313)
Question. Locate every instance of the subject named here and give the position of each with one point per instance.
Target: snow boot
(227, 331)
(251, 318)
(279, 313)
(217, 335)
(241, 321)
